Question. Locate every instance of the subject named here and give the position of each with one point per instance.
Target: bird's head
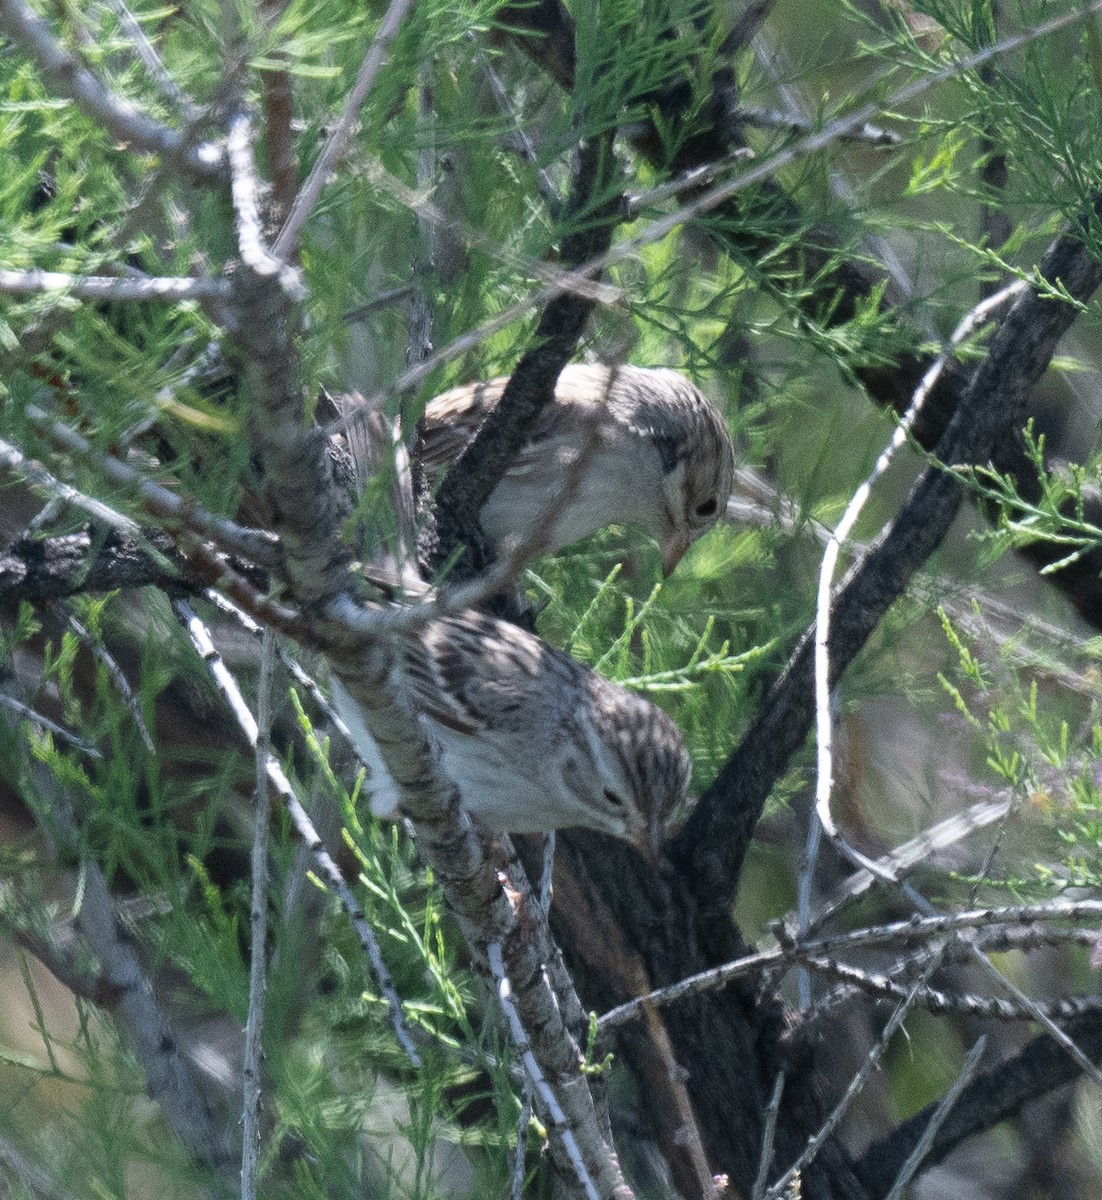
(642, 771)
(698, 463)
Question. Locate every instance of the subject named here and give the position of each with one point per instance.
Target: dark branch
(87, 562)
(593, 208)
(827, 284)
(1000, 1094)
(711, 846)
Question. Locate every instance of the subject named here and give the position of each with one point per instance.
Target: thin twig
(292, 666)
(418, 202)
(519, 137)
(151, 60)
(304, 828)
(823, 722)
(872, 1059)
(125, 122)
(921, 928)
(340, 132)
(1036, 1011)
(382, 299)
(763, 118)
(37, 475)
(995, 224)
(258, 930)
(430, 234)
(992, 941)
(768, 1132)
(772, 61)
(903, 859)
(547, 871)
(918, 1154)
(694, 177)
(121, 684)
(935, 1001)
(822, 819)
(899, 932)
(534, 1073)
(48, 726)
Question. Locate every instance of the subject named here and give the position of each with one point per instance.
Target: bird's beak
(646, 835)
(650, 845)
(657, 839)
(673, 547)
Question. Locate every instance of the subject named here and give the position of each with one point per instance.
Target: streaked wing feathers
(453, 418)
(464, 673)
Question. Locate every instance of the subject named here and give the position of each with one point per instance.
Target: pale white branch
(108, 287)
(328, 869)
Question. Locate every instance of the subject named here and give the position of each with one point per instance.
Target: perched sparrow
(534, 740)
(663, 459)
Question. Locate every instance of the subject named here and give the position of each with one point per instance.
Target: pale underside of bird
(659, 456)
(533, 740)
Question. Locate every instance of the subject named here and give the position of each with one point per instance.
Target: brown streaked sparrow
(534, 740)
(663, 459)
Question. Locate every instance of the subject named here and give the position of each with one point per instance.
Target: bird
(533, 739)
(662, 458)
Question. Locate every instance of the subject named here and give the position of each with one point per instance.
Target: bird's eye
(613, 799)
(707, 509)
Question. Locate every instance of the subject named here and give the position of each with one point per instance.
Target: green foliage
(1055, 516)
(1031, 751)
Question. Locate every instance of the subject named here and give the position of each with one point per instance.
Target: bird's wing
(375, 444)
(453, 418)
(475, 675)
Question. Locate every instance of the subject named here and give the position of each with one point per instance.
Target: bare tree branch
(252, 1059)
(106, 287)
(713, 841)
(915, 1159)
(341, 132)
(852, 1091)
(532, 383)
(308, 516)
(993, 1097)
(86, 562)
(304, 828)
